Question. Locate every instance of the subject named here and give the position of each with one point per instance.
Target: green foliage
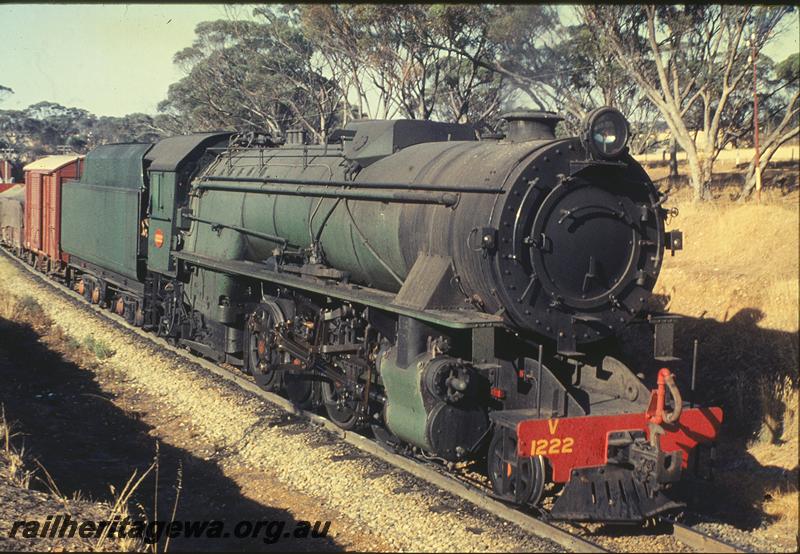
(98, 347)
(41, 128)
(788, 71)
(415, 61)
(252, 75)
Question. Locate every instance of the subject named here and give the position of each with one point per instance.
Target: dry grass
(23, 309)
(781, 503)
(12, 460)
(737, 280)
(120, 509)
(26, 310)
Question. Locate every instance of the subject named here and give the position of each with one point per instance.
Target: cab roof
(168, 154)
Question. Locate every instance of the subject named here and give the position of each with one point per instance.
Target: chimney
(531, 125)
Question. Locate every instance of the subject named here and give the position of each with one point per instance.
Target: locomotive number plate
(553, 445)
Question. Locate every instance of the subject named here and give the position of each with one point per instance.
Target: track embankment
(240, 458)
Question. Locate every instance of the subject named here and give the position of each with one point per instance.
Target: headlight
(605, 132)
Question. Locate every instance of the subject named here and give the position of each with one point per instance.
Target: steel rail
(471, 494)
(699, 541)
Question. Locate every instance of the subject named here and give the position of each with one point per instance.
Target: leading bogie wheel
(516, 480)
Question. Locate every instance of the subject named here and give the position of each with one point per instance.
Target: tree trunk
(749, 181)
(750, 175)
(673, 158)
(706, 173)
(696, 174)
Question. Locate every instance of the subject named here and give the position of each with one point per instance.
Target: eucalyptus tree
(408, 60)
(553, 65)
(688, 60)
(252, 74)
(781, 111)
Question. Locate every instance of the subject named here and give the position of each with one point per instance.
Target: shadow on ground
(86, 443)
(747, 370)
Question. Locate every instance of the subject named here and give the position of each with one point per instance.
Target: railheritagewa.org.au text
(150, 532)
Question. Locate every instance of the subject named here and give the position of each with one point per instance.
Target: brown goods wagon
(43, 181)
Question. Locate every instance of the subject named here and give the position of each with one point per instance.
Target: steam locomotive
(452, 294)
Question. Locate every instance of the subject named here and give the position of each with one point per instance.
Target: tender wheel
(263, 356)
(338, 407)
(138, 316)
(515, 480)
(129, 310)
(87, 289)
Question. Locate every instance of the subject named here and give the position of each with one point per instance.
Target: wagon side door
(33, 225)
(50, 191)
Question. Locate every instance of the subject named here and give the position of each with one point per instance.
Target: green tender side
(100, 214)
(405, 412)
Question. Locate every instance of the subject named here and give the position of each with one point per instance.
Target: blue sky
(110, 59)
(115, 59)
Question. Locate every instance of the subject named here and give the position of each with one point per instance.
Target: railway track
(570, 540)
(700, 542)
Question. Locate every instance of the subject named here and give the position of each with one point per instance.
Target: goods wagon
(43, 183)
(12, 217)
